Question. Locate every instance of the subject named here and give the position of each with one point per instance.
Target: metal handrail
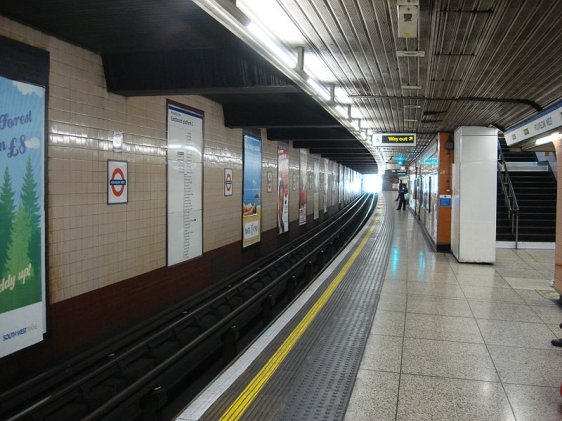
(508, 194)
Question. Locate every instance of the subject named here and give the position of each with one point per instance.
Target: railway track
(150, 372)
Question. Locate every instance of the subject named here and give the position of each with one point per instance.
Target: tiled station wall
(92, 246)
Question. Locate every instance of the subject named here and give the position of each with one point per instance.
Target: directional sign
(117, 189)
(408, 139)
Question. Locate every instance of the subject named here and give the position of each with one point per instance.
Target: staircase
(535, 191)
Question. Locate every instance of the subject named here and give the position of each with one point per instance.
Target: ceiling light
(412, 106)
(273, 17)
(410, 87)
(319, 89)
(342, 111)
(341, 96)
(315, 66)
(411, 120)
(410, 53)
(553, 137)
(355, 112)
(273, 48)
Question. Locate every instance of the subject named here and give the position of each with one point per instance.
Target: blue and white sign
(544, 122)
(444, 200)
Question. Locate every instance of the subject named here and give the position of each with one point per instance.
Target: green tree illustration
(29, 202)
(23, 293)
(7, 210)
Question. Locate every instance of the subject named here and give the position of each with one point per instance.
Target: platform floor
(455, 341)
(448, 341)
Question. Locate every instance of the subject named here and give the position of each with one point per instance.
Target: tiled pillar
(473, 210)
(558, 256)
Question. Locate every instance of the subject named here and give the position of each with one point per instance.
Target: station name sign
(548, 120)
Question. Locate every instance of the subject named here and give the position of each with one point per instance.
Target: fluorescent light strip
(275, 49)
(547, 139)
(319, 89)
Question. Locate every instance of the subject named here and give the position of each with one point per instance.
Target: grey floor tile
(439, 305)
(383, 353)
(527, 283)
(549, 314)
(538, 297)
(532, 403)
(437, 398)
(425, 398)
(443, 278)
(507, 254)
(374, 396)
(394, 287)
(392, 302)
(538, 367)
(480, 401)
(435, 290)
(395, 276)
(475, 269)
(503, 311)
(556, 330)
(515, 334)
(448, 328)
(491, 294)
(388, 323)
(490, 281)
(517, 272)
(447, 359)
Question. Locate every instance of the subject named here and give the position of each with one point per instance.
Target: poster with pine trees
(22, 220)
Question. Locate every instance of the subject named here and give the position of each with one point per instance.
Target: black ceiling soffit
(172, 47)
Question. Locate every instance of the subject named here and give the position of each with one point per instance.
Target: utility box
(408, 16)
(473, 210)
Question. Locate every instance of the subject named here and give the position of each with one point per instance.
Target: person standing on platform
(402, 196)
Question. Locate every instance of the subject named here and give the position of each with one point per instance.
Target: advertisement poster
(22, 215)
(335, 183)
(185, 175)
(302, 187)
(326, 182)
(342, 183)
(316, 186)
(251, 198)
(283, 187)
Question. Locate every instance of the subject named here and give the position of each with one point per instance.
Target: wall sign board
(406, 139)
(117, 182)
(185, 175)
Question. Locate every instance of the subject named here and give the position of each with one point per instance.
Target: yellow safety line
(241, 404)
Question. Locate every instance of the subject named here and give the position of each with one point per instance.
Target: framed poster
(251, 196)
(283, 187)
(325, 186)
(185, 177)
(302, 187)
(316, 191)
(269, 182)
(117, 182)
(22, 215)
